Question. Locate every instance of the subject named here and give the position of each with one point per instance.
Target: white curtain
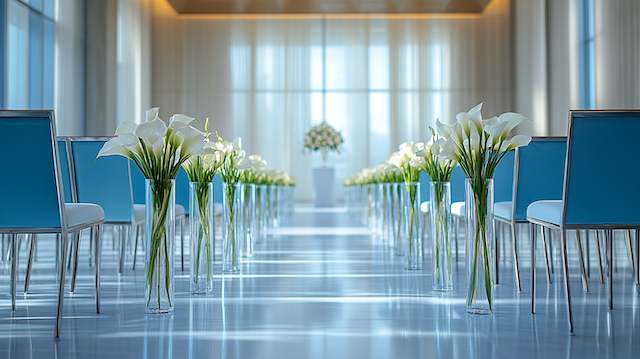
(387, 79)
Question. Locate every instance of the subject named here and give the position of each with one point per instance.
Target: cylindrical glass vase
(479, 218)
(248, 219)
(399, 244)
(440, 213)
(201, 233)
(413, 225)
(232, 234)
(159, 232)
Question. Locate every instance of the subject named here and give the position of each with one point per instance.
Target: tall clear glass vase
(413, 225)
(441, 226)
(159, 232)
(232, 219)
(260, 213)
(248, 218)
(399, 245)
(388, 216)
(479, 218)
(275, 206)
(201, 233)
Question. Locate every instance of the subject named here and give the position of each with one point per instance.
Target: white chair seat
(545, 211)
(503, 210)
(82, 214)
(424, 207)
(457, 209)
(138, 212)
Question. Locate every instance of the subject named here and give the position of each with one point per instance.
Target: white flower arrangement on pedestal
(323, 138)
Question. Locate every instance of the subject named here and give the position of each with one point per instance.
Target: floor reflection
(336, 294)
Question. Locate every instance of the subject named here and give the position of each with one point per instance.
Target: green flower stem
(441, 229)
(411, 190)
(480, 187)
(230, 234)
(161, 193)
(202, 198)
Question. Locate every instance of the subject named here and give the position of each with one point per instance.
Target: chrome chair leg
(135, 247)
(96, 235)
(599, 253)
(74, 273)
(585, 280)
(565, 267)
(630, 251)
(552, 264)
(455, 234)
(532, 228)
(638, 257)
(182, 244)
(27, 278)
(545, 247)
(123, 242)
(516, 264)
(63, 268)
(587, 251)
(14, 268)
(609, 237)
(496, 250)
(90, 250)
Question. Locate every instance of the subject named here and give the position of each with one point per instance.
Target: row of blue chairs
(58, 185)
(581, 183)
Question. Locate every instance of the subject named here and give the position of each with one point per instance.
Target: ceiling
(328, 6)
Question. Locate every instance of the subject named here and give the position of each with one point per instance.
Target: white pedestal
(323, 187)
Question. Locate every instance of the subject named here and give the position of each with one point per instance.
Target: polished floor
(320, 287)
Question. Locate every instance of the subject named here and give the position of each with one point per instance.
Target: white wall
(70, 67)
(437, 66)
(530, 57)
(617, 53)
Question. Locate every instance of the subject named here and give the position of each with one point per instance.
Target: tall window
(27, 43)
(587, 57)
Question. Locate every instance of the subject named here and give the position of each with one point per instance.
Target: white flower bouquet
(323, 138)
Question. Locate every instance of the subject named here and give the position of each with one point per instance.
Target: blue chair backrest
(137, 184)
(30, 189)
(503, 178)
(425, 183)
(65, 171)
(182, 187)
(217, 189)
(457, 185)
(540, 172)
(103, 181)
(601, 186)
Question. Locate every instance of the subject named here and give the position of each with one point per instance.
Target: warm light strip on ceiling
(439, 16)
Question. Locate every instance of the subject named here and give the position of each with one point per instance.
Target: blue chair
(69, 197)
(602, 145)
(182, 203)
(538, 175)
(104, 181)
(34, 191)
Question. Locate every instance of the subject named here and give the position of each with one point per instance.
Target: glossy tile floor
(320, 288)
